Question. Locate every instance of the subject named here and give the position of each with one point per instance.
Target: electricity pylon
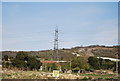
(55, 51)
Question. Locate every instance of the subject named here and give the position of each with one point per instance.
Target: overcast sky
(30, 26)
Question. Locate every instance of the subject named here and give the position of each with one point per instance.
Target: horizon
(62, 48)
(30, 26)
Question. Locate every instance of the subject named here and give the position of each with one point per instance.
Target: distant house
(46, 62)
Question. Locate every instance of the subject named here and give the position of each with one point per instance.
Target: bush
(6, 57)
(23, 61)
(94, 62)
(85, 78)
(100, 78)
(7, 64)
(33, 63)
(79, 63)
(109, 78)
(19, 63)
(90, 78)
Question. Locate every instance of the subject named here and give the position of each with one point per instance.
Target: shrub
(6, 57)
(90, 78)
(23, 61)
(85, 78)
(100, 78)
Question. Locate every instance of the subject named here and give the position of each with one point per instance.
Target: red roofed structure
(45, 62)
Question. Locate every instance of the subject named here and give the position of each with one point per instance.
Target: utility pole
(70, 67)
(55, 51)
(116, 64)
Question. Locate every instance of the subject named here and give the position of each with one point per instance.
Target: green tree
(3, 64)
(94, 62)
(24, 61)
(19, 63)
(33, 63)
(22, 56)
(54, 66)
(106, 63)
(7, 64)
(11, 58)
(77, 63)
(65, 66)
(61, 58)
(20, 60)
(6, 57)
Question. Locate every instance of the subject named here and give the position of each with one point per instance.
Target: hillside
(66, 54)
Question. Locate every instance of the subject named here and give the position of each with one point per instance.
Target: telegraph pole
(116, 64)
(55, 51)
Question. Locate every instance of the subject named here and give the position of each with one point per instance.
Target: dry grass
(17, 74)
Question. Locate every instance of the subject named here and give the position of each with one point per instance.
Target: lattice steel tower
(55, 51)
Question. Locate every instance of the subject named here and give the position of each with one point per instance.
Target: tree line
(23, 61)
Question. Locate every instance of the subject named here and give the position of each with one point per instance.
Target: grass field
(16, 74)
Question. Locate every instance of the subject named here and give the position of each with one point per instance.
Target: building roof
(49, 61)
